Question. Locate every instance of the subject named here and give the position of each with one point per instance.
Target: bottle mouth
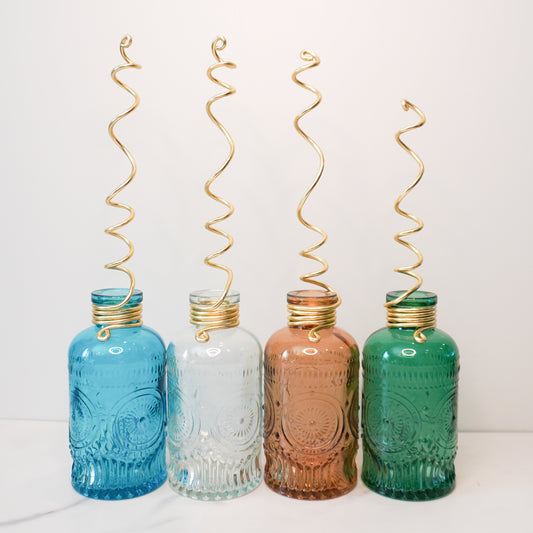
(312, 309)
(115, 296)
(110, 314)
(208, 297)
(210, 313)
(417, 310)
(415, 299)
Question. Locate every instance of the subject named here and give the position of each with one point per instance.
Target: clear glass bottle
(214, 407)
(117, 406)
(409, 413)
(311, 405)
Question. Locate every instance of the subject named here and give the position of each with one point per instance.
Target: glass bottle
(311, 403)
(117, 404)
(409, 413)
(214, 404)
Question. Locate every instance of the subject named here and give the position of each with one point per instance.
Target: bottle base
(317, 480)
(122, 493)
(207, 495)
(410, 495)
(205, 478)
(308, 494)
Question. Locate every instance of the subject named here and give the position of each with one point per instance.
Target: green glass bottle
(409, 409)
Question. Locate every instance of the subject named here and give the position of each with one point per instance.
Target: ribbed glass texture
(214, 411)
(311, 411)
(409, 412)
(117, 408)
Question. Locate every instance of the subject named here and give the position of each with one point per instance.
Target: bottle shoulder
(140, 339)
(186, 336)
(294, 342)
(390, 343)
(387, 334)
(227, 345)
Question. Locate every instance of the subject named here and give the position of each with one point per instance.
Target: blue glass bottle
(117, 406)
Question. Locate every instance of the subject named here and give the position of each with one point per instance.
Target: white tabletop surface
(494, 492)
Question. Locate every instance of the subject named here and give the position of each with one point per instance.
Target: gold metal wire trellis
(116, 316)
(421, 318)
(322, 317)
(225, 316)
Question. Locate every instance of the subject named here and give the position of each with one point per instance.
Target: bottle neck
(112, 309)
(415, 311)
(209, 312)
(312, 309)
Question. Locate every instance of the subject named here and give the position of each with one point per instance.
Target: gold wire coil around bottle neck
(312, 309)
(207, 317)
(421, 318)
(112, 318)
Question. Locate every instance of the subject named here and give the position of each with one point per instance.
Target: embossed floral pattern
(238, 422)
(313, 423)
(139, 420)
(446, 421)
(181, 421)
(391, 421)
(268, 413)
(83, 423)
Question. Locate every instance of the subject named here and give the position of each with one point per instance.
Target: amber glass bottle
(311, 402)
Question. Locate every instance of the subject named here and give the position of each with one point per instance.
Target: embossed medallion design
(238, 422)
(139, 420)
(181, 421)
(313, 423)
(83, 423)
(392, 422)
(446, 421)
(353, 415)
(268, 413)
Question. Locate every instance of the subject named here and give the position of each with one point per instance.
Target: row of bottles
(118, 409)
(131, 398)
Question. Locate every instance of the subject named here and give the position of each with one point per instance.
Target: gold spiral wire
(413, 317)
(202, 335)
(312, 61)
(126, 317)
(226, 315)
(219, 318)
(404, 316)
(118, 318)
(321, 317)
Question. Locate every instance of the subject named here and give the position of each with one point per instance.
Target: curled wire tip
(219, 43)
(126, 41)
(407, 105)
(217, 46)
(309, 55)
(420, 337)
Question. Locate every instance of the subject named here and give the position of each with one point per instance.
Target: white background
(466, 64)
